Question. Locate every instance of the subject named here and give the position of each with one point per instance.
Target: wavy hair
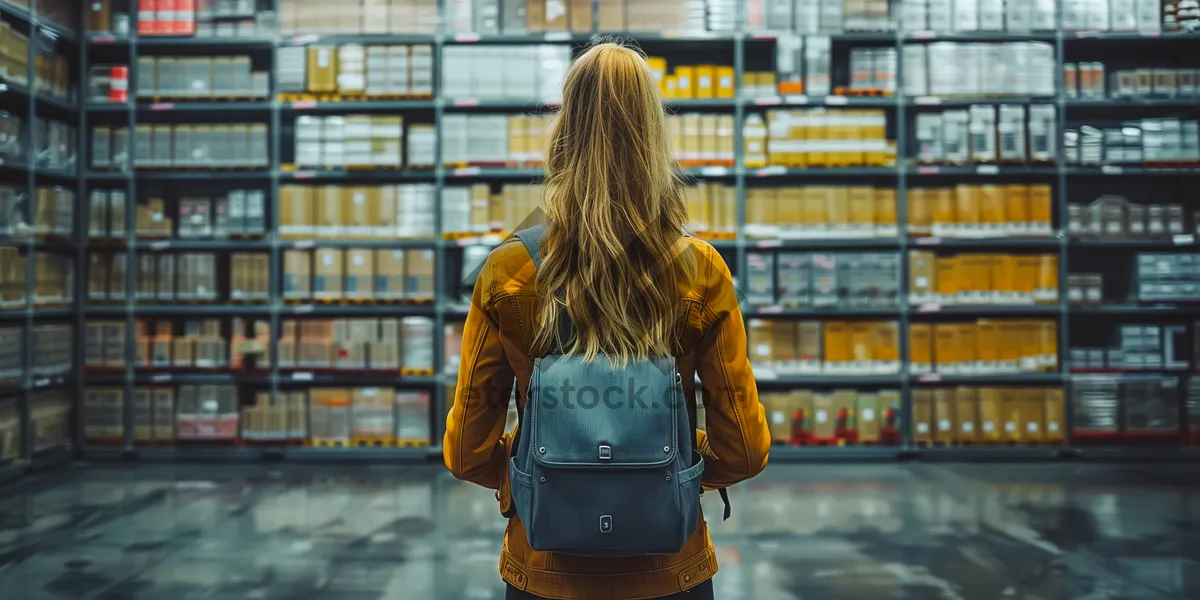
(613, 251)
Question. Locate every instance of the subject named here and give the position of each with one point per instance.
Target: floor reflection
(799, 532)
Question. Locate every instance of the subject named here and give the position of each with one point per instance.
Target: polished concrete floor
(885, 531)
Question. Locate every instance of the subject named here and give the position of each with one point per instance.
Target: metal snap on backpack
(604, 463)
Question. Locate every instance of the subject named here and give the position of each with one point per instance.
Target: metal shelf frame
(47, 36)
(446, 309)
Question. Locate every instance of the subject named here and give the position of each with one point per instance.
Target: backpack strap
(532, 239)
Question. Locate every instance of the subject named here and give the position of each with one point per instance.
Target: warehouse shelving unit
(446, 308)
(27, 172)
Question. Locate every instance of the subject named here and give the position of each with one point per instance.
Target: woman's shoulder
(508, 269)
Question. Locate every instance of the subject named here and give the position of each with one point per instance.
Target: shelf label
(558, 36)
(929, 308)
(466, 102)
(933, 378)
(987, 170)
(800, 99)
(465, 171)
(307, 38)
(929, 241)
(769, 244)
(770, 310)
(303, 245)
(928, 170)
(769, 171)
(923, 35)
(769, 101)
(714, 171)
(160, 245)
(927, 100)
(1185, 239)
(1087, 34)
(766, 374)
(160, 378)
(471, 241)
(304, 175)
(41, 383)
(304, 105)
(762, 35)
(837, 100)
(466, 38)
(302, 376)
(1150, 33)
(162, 106)
(103, 39)
(299, 310)
(1111, 170)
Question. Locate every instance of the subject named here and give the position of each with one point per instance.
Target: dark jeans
(704, 591)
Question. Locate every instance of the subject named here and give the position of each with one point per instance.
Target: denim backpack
(604, 463)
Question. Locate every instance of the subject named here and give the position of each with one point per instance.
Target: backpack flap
(595, 415)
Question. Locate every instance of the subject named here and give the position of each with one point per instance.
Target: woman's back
(619, 279)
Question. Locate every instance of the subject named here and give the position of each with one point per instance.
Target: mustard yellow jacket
(496, 349)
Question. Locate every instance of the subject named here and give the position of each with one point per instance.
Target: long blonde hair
(613, 251)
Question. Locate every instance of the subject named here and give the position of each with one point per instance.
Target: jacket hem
(641, 585)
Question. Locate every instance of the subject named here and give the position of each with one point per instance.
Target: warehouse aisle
(800, 531)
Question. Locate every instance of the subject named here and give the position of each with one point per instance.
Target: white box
(1043, 15)
(807, 17)
(914, 16)
(940, 14)
(966, 15)
(1018, 15)
(1149, 15)
(1098, 15)
(983, 133)
(991, 15)
(916, 70)
(1074, 14)
(1123, 15)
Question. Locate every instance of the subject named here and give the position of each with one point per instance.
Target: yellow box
(838, 348)
(725, 82)
(922, 431)
(658, 70)
(1039, 207)
(706, 85)
(942, 208)
(685, 82)
(966, 207)
(1016, 205)
(920, 347)
(946, 284)
(945, 348)
(885, 208)
(966, 411)
(862, 208)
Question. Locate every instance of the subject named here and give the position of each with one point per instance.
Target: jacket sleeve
(736, 425)
(474, 448)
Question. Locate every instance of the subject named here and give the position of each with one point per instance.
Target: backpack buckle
(605, 452)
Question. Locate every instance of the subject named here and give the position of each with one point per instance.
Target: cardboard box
(966, 409)
(419, 274)
(824, 416)
(922, 419)
(1054, 412)
(1033, 418)
(945, 348)
(990, 416)
(1010, 414)
(328, 273)
(920, 343)
(322, 69)
(945, 424)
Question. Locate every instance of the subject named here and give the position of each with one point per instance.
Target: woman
(617, 266)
